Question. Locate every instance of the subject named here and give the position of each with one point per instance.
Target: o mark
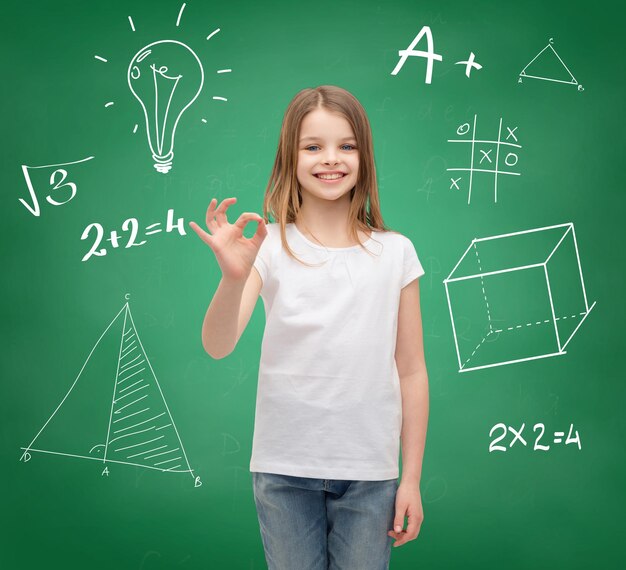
(506, 160)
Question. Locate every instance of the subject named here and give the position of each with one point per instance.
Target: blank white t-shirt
(328, 398)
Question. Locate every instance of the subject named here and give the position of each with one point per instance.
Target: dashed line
(538, 323)
(477, 347)
(482, 283)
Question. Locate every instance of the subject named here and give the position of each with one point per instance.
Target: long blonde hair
(283, 196)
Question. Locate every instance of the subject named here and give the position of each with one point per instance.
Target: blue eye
(314, 145)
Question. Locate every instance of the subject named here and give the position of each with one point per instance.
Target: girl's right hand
(235, 253)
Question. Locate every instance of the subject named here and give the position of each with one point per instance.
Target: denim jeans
(324, 524)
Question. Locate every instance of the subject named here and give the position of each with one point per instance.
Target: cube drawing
(516, 297)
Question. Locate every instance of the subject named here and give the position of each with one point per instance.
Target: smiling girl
(342, 377)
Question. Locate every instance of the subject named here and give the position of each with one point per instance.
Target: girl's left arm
(413, 383)
(414, 386)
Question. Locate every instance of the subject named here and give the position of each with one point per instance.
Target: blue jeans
(324, 524)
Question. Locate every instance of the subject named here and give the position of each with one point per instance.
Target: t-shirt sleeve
(412, 268)
(262, 261)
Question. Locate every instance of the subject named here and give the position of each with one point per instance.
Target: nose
(330, 157)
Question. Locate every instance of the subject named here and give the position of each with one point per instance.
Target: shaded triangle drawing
(548, 66)
(115, 411)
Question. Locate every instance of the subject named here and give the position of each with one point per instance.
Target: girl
(342, 376)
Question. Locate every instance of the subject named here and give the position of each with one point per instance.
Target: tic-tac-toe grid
(482, 157)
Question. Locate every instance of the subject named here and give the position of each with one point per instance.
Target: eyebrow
(319, 138)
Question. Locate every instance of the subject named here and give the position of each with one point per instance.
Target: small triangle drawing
(547, 58)
(115, 411)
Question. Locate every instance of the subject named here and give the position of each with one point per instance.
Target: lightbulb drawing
(166, 77)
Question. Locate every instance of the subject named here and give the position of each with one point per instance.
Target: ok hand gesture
(235, 253)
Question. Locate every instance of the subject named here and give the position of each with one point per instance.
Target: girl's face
(327, 144)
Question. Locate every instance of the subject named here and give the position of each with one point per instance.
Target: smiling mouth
(331, 178)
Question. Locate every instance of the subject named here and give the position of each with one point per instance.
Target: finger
(205, 237)
(260, 234)
(398, 521)
(396, 534)
(220, 213)
(245, 219)
(210, 213)
(400, 538)
(413, 527)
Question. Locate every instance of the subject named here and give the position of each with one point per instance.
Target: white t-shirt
(328, 398)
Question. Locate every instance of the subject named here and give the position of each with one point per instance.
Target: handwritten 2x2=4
(517, 436)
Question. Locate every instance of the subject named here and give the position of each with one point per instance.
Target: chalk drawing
(529, 281)
(469, 64)
(538, 427)
(137, 427)
(485, 156)
(57, 181)
(430, 55)
(543, 59)
(180, 14)
(130, 227)
(166, 77)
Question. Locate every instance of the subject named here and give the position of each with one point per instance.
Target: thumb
(398, 523)
(204, 236)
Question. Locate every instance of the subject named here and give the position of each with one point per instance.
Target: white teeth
(329, 176)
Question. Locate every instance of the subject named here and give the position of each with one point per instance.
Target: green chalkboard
(501, 159)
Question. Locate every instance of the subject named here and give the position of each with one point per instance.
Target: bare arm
(238, 290)
(414, 385)
(413, 382)
(219, 329)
